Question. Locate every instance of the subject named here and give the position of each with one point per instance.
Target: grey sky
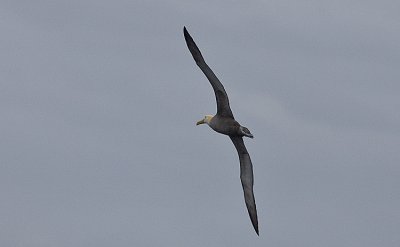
(98, 104)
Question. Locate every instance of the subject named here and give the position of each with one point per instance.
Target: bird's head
(206, 120)
(245, 131)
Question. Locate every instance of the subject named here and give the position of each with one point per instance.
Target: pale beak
(200, 122)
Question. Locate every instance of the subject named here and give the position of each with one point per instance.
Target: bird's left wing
(246, 176)
(223, 108)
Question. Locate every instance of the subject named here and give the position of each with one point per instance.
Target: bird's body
(224, 122)
(225, 125)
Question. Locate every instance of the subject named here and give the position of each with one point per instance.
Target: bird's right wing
(246, 176)
(223, 108)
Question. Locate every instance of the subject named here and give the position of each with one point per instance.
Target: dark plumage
(224, 123)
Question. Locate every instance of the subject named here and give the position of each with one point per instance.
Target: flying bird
(224, 122)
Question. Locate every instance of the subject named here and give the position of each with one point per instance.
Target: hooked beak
(200, 122)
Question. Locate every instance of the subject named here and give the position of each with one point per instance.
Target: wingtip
(256, 229)
(194, 50)
(254, 221)
(188, 38)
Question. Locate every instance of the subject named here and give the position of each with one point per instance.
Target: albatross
(223, 122)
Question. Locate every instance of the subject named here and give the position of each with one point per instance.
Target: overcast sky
(98, 105)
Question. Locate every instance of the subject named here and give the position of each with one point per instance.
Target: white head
(206, 120)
